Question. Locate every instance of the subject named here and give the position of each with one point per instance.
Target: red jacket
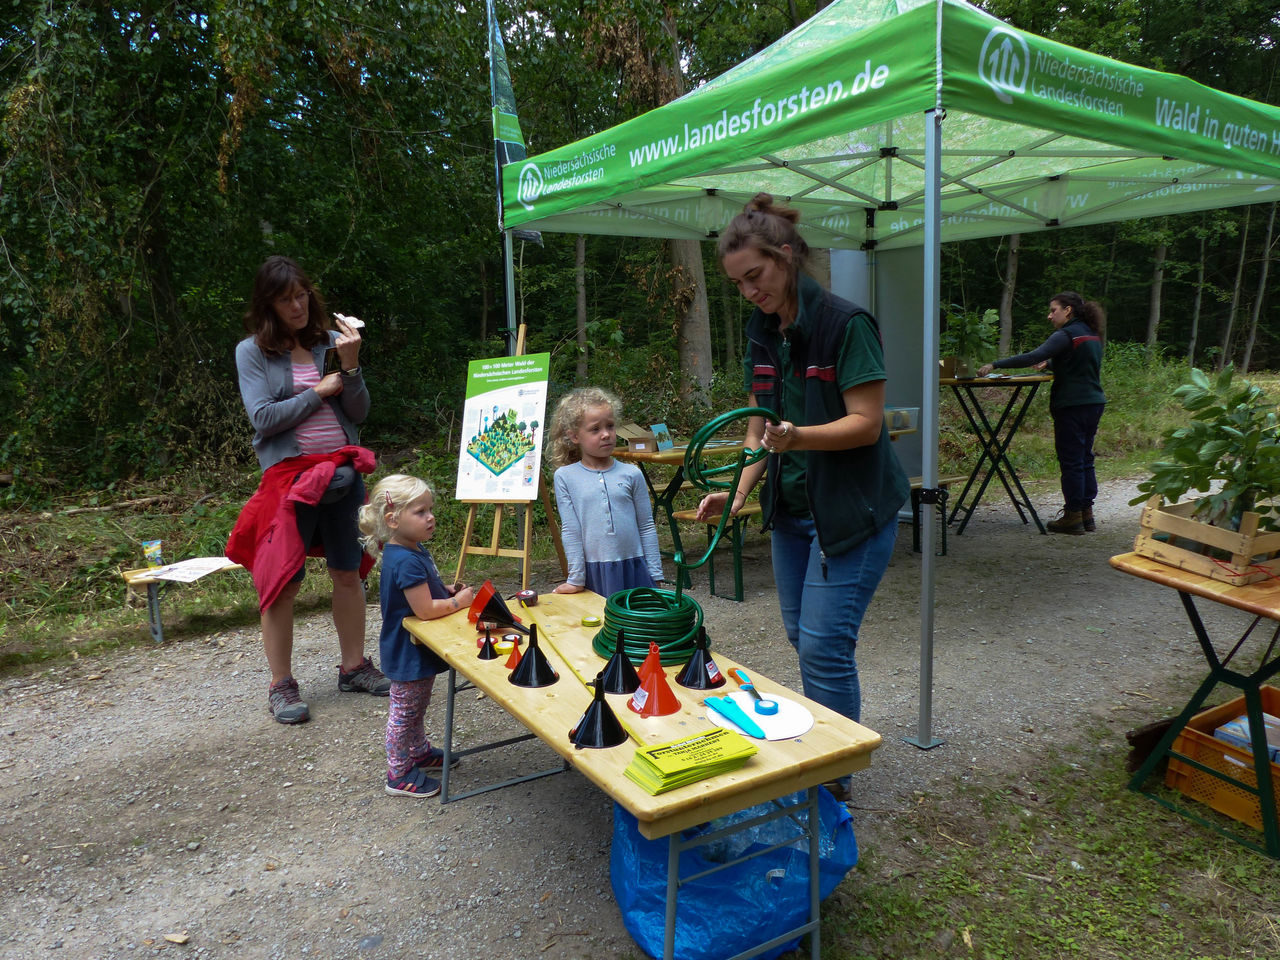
(265, 540)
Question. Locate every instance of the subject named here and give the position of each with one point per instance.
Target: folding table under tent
(884, 140)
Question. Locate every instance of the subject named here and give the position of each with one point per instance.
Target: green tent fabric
(1037, 135)
(898, 124)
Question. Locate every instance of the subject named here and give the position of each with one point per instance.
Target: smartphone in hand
(331, 362)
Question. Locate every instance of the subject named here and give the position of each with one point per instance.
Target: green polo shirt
(861, 360)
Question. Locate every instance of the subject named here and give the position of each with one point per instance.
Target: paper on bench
(187, 571)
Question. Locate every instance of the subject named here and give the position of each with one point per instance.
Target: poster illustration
(502, 428)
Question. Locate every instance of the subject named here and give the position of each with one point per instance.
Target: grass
(1061, 862)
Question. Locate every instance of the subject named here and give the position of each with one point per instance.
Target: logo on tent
(1004, 63)
(529, 187)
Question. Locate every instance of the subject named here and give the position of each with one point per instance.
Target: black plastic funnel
(599, 726)
(487, 652)
(489, 605)
(534, 669)
(619, 675)
(701, 672)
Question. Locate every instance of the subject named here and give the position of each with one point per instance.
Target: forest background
(153, 154)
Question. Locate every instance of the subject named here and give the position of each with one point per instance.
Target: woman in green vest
(832, 484)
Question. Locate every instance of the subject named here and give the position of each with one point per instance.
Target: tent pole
(929, 415)
(509, 285)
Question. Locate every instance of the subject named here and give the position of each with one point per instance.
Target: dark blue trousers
(1073, 431)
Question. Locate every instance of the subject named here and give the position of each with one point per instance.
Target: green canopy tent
(895, 124)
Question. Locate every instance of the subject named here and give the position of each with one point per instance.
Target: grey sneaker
(365, 678)
(285, 704)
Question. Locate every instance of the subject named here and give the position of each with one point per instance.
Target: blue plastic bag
(741, 906)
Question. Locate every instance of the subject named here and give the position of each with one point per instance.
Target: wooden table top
(674, 455)
(835, 746)
(1260, 599)
(1004, 380)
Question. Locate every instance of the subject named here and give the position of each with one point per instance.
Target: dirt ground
(147, 797)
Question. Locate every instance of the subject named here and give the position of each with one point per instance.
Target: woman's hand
(347, 345)
(712, 506)
(567, 587)
(330, 385)
(781, 437)
(985, 369)
(1042, 366)
(456, 589)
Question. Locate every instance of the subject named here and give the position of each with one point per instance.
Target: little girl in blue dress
(606, 521)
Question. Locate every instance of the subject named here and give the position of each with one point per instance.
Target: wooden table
(835, 746)
(995, 439)
(1261, 601)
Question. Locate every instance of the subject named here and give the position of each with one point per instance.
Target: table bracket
(451, 754)
(809, 830)
(1249, 685)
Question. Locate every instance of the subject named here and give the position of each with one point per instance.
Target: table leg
(994, 460)
(1249, 684)
(809, 831)
(449, 752)
(154, 592)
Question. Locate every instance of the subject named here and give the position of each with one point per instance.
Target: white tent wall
(889, 286)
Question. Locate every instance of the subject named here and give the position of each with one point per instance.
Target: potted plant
(969, 337)
(1229, 452)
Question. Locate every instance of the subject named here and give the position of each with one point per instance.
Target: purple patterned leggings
(407, 741)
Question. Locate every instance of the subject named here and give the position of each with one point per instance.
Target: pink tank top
(321, 432)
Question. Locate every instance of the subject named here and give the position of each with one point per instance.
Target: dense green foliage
(152, 155)
(1229, 444)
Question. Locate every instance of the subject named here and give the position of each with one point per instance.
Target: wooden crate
(1168, 533)
(1198, 742)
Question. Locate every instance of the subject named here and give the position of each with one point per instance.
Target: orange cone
(655, 697)
(652, 662)
(513, 661)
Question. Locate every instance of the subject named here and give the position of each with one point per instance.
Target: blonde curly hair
(567, 419)
(390, 495)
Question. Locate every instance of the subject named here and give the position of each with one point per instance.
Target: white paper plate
(791, 720)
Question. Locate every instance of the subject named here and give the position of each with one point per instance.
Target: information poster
(502, 428)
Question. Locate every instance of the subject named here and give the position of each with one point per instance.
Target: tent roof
(831, 117)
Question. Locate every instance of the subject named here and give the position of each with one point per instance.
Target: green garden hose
(645, 615)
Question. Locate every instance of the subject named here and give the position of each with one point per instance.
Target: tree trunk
(1225, 356)
(1006, 295)
(1157, 294)
(693, 322)
(1196, 302)
(580, 285)
(693, 336)
(1111, 262)
(1262, 291)
(819, 266)
(486, 300)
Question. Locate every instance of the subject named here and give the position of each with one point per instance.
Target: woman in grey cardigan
(305, 396)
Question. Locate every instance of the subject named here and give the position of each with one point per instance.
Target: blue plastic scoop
(731, 711)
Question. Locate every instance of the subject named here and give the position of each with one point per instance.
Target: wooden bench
(145, 577)
(917, 484)
(733, 532)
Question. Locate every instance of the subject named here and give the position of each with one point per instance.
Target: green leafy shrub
(1233, 439)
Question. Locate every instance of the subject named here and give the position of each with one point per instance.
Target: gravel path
(146, 797)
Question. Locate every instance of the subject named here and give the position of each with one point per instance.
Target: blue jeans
(1073, 431)
(823, 602)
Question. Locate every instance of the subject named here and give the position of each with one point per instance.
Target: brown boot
(1068, 521)
(1086, 520)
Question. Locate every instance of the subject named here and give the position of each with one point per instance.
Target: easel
(493, 547)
